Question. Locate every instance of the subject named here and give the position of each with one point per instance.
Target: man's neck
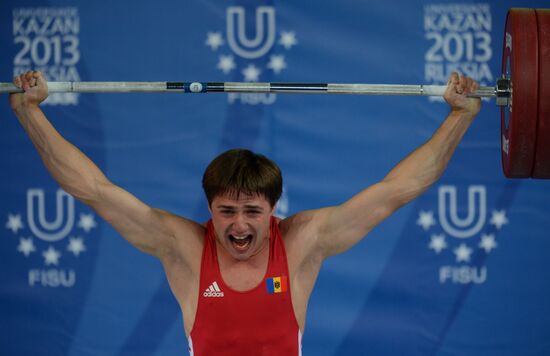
(243, 275)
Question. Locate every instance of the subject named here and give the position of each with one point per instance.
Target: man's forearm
(74, 172)
(426, 164)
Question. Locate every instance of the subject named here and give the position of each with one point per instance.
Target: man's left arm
(340, 227)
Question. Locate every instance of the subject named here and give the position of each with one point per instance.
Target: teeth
(240, 237)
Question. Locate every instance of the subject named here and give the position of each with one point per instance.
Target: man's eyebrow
(226, 207)
(257, 207)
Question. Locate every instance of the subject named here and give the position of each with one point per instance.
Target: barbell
(522, 92)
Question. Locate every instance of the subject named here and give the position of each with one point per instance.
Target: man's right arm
(150, 230)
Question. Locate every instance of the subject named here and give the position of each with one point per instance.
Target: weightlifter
(243, 279)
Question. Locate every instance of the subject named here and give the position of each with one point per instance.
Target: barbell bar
(247, 87)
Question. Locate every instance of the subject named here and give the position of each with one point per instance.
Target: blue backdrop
(461, 270)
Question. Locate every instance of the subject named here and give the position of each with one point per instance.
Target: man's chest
(243, 276)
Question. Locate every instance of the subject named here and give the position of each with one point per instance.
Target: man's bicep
(142, 226)
(346, 224)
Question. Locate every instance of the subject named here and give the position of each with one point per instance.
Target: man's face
(241, 225)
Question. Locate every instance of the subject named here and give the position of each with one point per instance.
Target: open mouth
(240, 243)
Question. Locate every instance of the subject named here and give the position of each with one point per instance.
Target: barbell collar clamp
(503, 92)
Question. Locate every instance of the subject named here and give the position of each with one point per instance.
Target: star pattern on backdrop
(251, 72)
(51, 255)
(498, 218)
(87, 222)
(76, 245)
(487, 242)
(276, 63)
(288, 39)
(26, 246)
(14, 223)
(214, 40)
(226, 63)
(438, 242)
(463, 253)
(426, 219)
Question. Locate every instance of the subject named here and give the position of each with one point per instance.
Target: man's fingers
(470, 85)
(462, 80)
(457, 82)
(28, 80)
(461, 84)
(454, 78)
(40, 79)
(28, 75)
(467, 85)
(17, 81)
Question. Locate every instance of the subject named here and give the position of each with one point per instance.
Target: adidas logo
(213, 291)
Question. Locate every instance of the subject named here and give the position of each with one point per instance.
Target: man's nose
(239, 222)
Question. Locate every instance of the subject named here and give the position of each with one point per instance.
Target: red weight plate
(541, 167)
(518, 121)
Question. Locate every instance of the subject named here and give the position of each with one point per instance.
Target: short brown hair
(242, 171)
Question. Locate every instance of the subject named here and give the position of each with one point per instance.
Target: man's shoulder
(188, 237)
(182, 223)
(186, 231)
(299, 233)
(299, 225)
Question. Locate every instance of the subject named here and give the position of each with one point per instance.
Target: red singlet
(259, 321)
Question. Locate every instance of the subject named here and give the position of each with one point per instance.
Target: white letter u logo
(467, 227)
(265, 32)
(45, 230)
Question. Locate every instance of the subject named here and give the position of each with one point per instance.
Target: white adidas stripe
(190, 343)
(216, 288)
(299, 342)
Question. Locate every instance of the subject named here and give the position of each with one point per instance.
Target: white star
(463, 253)
(226, 64)
(26, 246)
(51, 256)
(214, 40)
(488, 242)
(288, 39)
(87, 222)
(426, 219)
(276, 63)
(251, 73)
(76, 246)
(438, 243)
(499, 218)
(14, 223)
